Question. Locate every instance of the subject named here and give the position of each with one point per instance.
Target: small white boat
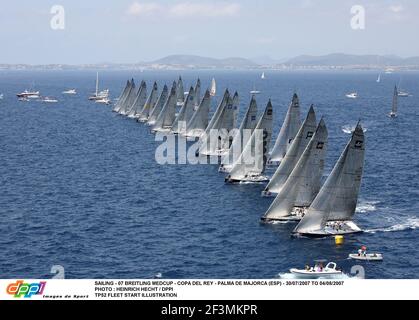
(379, 78)
(29, 94)
(318, 271)
(367, 257)
(1, 96)
(103, 101)
(70, 91)
(255, 92)
(49, 100)
(263, 76)
(353, 95)
(403, 94)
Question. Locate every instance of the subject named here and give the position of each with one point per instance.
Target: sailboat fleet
(298, 154)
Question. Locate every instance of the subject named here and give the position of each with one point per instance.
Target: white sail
(393, 112)
(150, 103)
(213, 90)
(338, 197)
(229, 123)
(180, 92)
(97, 84)
(218, 111)
(294, 153)
(199, 121)
(123, 94)
(185, 113)
(288, 131)
(168, 114)
(379, 78)
(304, 182)
(242, 137)
(263, 76)
(252, 162)
(197, 99)
(122, 101)
(129, 101)
(206, 147)
(158, 106)
(139, 100)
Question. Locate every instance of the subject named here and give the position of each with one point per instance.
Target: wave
(349, 129)
(367, 206)
(410, 224)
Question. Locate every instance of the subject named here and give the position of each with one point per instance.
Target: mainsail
(129, 101)
(121, 103)
(140, 100)
(180, 92)
(122, 96)
(185, 113)
(338, 197)
(213, 90)
(197, 99)
(199, 121)
(242, 137)
(229, 125)
(150, 103)
(158, 106)
(214, 124)
(288, 131)
(298, 146)
(304, 182)
(168, 114)
(252, 162)
(393, 112)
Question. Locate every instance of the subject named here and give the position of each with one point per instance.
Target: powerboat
(318, 271)
(70, 91)
(353, 95)
(103, 101)
(29, 94)
(403, 94)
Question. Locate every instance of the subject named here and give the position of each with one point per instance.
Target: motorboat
(353, 95)
(29, 94)
(318, 271)
(70, 91)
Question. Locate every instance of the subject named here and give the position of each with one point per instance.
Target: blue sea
(80, 187)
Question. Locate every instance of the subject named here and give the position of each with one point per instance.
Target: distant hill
(198, 61)
(340, 59)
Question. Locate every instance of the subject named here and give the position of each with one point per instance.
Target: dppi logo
(27, 290)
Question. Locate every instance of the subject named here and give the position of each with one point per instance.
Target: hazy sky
(132, 31)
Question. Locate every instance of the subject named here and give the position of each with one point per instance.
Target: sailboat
(294, 153)
(99, 95)
(379, 78)
(185, 114)
(263, 76)
(333, 209)
(289, 130)
(213, 88)
(241, 138)
(195, 128)
(139, 101)
(251, 165)
(158, 106)
(129, 101)
(1, 96)
(197, 95)
(180, 93)
(304, 182)
(122, 97)
(393, 113)
(149, 105)
(167, 115)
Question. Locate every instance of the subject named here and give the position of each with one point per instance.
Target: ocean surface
(80, 187)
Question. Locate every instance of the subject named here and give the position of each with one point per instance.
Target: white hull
(333, 228)
(367, 257)
(248, 180)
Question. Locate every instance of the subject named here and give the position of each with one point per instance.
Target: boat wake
(410, 224)
(349, 129)
(367, 206)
